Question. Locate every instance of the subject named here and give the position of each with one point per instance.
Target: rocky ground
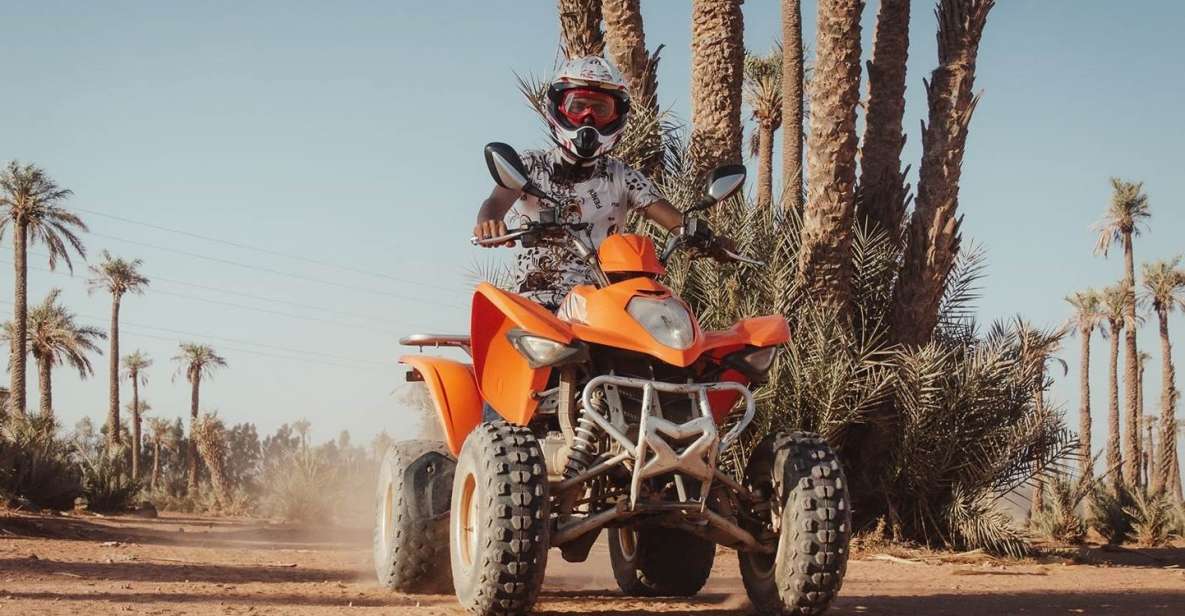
(171, 565)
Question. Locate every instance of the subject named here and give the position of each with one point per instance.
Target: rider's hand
(721, 246)
(491, 228)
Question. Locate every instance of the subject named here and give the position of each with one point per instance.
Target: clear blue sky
(351, 134)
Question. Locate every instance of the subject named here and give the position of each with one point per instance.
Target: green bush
(1154, 519)
(107, 479)
(1059, 519)
(1110, 515)
(37, 465)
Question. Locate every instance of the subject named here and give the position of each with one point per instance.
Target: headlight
(541, 351)
(665, 319)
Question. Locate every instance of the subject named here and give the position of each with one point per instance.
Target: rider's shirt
(601, 198)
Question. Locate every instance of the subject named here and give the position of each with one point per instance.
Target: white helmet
(586, 108)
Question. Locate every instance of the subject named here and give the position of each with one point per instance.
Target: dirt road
(183, 565)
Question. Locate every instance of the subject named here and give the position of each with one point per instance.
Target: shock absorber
(584, 442)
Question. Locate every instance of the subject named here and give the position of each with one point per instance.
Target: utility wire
(276, 272)
(337, 266)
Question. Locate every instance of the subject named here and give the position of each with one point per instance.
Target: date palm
(882, 192)
(31, 204)
(1084, 321)
(824, 267)
(1113, 306)
(717, 72)
(934, 236)
(625, 44)
(580, 28)
(763, 94)
(135, 366)
(793, 80)
(196, 362)
(1164, 291)
(1124, 219)
(162, 439)
(54, 338)
(1036, 348)
(117, 277)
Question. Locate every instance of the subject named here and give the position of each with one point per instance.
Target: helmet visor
(584, 107)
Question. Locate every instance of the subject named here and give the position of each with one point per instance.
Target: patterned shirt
(601, 198)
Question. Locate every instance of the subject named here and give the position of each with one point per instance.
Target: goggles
(579, 105)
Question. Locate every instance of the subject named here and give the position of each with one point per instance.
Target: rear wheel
(810, 504)
(411, 530)
(499, 522)
(657, 561)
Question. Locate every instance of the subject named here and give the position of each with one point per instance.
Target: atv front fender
(454, 393)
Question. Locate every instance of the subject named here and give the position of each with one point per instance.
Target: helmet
(586, 108)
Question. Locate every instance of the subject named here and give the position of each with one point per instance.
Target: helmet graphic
(586, 108)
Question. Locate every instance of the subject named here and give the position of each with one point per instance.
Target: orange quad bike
(612, 413)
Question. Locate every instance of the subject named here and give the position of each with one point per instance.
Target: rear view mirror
(506, 167)
(725, 181)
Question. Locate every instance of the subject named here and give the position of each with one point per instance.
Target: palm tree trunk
(135, 426)
(1168, 422)
(717, 71)
(934, 231)
(765, 165)
(580, 28)
(882, 191)
(792, 84)
(46, 385)
(113, 435)
(155, 463)
(824, 266)
(1084, 419)
(625, 42)
(20, 317)
(1131, 467)
(1038, 500)
(195, 381)
(1114, 454)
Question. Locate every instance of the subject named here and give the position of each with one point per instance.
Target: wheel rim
(627, 540)
(385, 521)
(466, 535)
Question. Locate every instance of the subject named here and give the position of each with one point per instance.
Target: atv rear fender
(454, 394)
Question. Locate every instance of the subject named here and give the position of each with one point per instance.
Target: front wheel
(499, 523)
(810, 511)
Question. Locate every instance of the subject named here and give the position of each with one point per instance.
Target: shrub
(1154, 521)
(1059, 520)
(1110, 512)
(36, 464)
(107, 479)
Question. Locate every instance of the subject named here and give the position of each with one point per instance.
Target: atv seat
(437, 340)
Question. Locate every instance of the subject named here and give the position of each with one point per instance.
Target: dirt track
(178, 565)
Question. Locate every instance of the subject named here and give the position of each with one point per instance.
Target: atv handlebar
(537, 230)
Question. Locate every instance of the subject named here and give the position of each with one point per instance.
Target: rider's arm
(665, 214)
(490, 218)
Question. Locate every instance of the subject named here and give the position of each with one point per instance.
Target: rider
(586, 109)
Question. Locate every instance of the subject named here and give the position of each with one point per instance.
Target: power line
(338, 266)
(276, 272)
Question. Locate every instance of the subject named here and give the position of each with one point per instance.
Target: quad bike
(613, 413)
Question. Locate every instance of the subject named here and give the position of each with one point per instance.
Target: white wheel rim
(627, 540)
(386, 520)
(466, 535)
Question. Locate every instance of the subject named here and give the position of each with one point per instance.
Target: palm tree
(793, 75)
(763, 93)
(934, 236)
(117, 277)
(1037, 348)
(162, 438)
(1146, 450)
(54, 338)
(717, 71)
(580, 28)
(824, 267)
(625, 43)
(134, 366)
(882, 191)
(1112, 304)
(1164, 290)
(209, 433)
(1125, 217)
(195, 362)
(1084, 321)
(31, 203)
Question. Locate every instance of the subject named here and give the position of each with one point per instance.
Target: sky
(300, 179)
